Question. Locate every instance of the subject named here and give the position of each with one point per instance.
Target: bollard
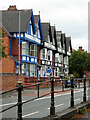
(84, 95)
(72, 94)
(38, 90)
(52, 108)
(20, 88)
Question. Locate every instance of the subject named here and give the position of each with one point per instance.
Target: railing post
(52, 108)
(84, 95)
(38, 90)
(20, 88)
(63, 83)
(72, 94)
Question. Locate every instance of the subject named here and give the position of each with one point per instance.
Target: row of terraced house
(43, 49)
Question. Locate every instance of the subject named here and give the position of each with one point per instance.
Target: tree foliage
(88, 67)
(2, 47)
(78, 63)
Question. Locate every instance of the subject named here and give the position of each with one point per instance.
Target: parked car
(68, 83)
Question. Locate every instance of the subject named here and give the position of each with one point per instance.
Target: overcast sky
(70, 16)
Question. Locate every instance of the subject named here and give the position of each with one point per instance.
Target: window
(33, 70)
(25, 69)
(56, 72)
(66, 60)
(25, 48)
(49, 55)
(43, 71)
(33, 50)
(56, 57)
(44, 54)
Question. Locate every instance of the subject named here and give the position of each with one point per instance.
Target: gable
(10, 20)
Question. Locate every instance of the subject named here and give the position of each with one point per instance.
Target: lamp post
(52, 108)
(84, 95)
(72, 95)
(38, 68)
(19, 83)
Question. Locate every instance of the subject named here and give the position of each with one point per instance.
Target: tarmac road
(40, 107)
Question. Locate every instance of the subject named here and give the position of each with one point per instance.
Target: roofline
(5, 30)
(16, 10)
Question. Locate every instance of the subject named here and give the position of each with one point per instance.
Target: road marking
(8, 104)
(30, 114)
(77, 99)
(57, 105)
(42, 98)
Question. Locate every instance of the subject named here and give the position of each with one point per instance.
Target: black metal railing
(20, 87)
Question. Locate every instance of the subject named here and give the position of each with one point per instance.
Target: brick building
(42, 48)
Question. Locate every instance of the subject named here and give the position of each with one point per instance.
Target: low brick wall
(9, 80)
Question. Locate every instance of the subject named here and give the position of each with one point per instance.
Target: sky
(69, 16)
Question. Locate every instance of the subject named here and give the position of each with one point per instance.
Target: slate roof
(45, 30)
(10, 20)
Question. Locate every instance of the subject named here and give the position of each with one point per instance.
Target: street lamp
(72, 95)
(84, 95)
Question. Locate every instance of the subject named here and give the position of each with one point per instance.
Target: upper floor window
(33, 50)
(49, 55)
(25, 48)
(44, 53)
(56, 57)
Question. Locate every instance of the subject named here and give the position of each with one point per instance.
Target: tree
(78, 63)
(2, 47)
(88, 67)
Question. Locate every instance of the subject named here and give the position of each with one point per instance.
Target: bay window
(33, 50)
(33, 70)
(25, 48)
(56, 72)
(25, 69)
(49, 55)
(44, 54)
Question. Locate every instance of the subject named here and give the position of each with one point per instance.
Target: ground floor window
(56, 72)
(25, 69)
(33, 70)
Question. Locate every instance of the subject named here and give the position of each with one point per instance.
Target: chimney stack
(12, 7)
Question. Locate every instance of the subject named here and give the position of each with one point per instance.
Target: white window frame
(33, 70)
(33, 52)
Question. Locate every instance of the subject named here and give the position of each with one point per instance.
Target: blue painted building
(23, 23)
